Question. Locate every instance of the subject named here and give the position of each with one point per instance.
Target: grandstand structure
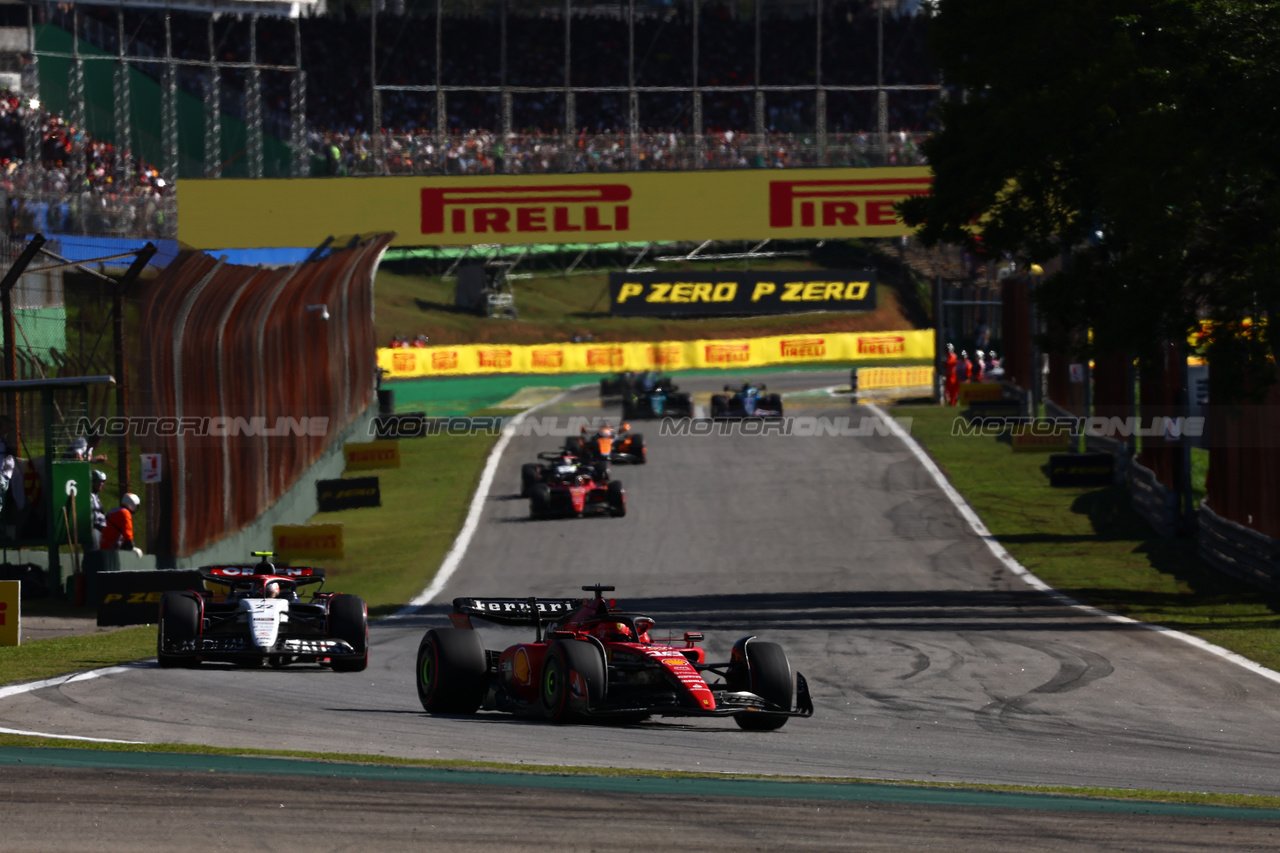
(169, 89)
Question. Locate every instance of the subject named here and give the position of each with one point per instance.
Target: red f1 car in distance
(573, 488)
(552, 465)
(261, 619)
(595, 661)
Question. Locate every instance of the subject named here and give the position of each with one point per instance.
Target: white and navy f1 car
(262, 619)
(591, 659)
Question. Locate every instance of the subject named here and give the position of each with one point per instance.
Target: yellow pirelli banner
(10, 613)
(669, 355)
(884, 378)
(307, 541)
(747, 204)
(371, 455)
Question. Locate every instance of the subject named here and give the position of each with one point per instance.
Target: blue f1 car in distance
(750, 401)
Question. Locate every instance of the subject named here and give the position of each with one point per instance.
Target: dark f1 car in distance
(262, 619)
(570, 487)
(653, 395)
(749, 401)
(617, 385)
(608, 445)
(596, 661)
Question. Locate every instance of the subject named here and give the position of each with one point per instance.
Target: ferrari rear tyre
(349, 621)
(530, 474)
(617, 499)
(540, 501)
(573, 680)
(769, 677)
(453, 671)
(179, 623)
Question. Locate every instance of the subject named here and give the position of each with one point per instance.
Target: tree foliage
(1138, 140)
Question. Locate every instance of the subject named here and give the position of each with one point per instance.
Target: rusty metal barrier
(250, 375)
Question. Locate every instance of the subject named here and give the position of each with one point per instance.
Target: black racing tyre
(604, 387)
(628, 409)
(719, 403)
(769, 677)
(179, 623)
(349, 621)
(617, 499)
(574, 445)
(774, 403)
(682, 406)
(638, 449)
(453, 671)
(562, 700)
(540, 501)
(530, 474)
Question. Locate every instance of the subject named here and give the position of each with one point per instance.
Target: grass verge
(41, 659)
(1090, 544)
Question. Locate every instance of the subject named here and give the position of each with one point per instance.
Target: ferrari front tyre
(349, 621)
(530, 474)
(540, 501)
(453, 671)
(179, 623)
(768, 675)
(617, 499)
(573, 680)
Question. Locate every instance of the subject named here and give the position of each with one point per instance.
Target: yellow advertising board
(466, 359)
(369, 455)
(882, 378)
(307, 541)
(10, 612)
(981, 392)
(464, 210)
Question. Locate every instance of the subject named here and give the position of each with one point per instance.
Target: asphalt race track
(926, 657)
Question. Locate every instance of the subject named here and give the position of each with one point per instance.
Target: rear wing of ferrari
(512, 611)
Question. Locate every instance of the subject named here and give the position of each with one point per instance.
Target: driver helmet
(273, 590)
(614, 632)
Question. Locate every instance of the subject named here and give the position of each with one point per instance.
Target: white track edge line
(30, 686)
(1022, 572)
(469, 527)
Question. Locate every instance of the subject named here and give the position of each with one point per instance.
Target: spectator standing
(98, 514)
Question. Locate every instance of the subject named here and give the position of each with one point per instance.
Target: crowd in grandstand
(481, 152)
(49, 196)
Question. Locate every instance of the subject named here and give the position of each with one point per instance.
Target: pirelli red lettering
(882, 345)
(840, 203)
(526, 210)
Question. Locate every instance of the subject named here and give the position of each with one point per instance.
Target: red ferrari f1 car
(261, 619)
(569, 487)
(591, 659)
